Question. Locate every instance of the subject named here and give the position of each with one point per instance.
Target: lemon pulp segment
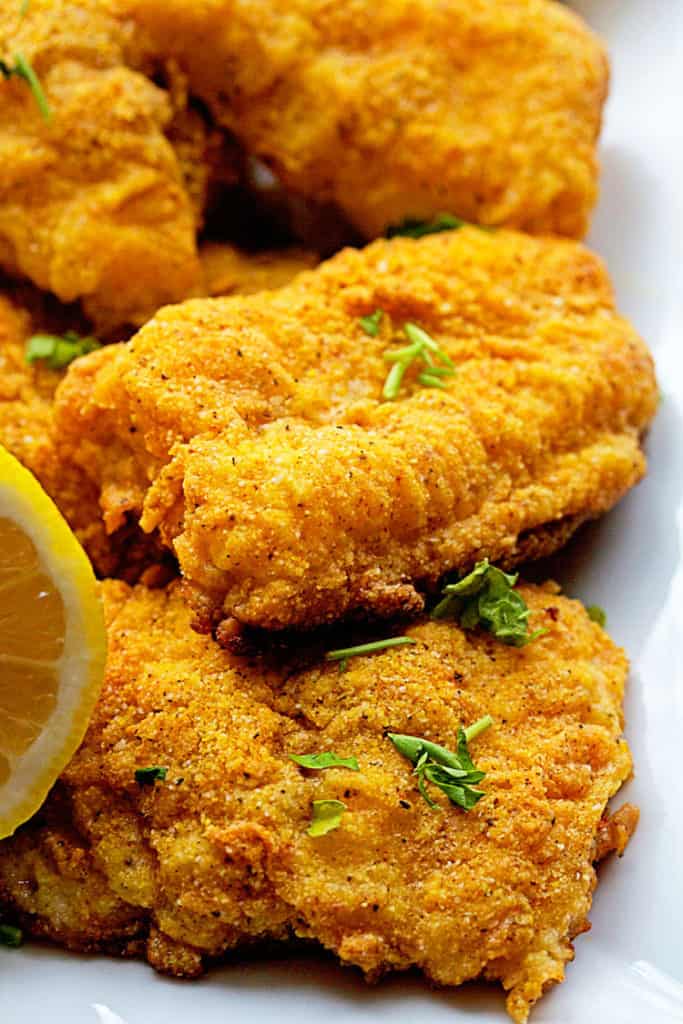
(52, 643)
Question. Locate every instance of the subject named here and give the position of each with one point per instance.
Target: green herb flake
(326, 817)
(344, 653)
(319, 762)
(597, 614)
(422, 347)
(454, 774)
(486, 598)
(22, 69)
(23, 10)
(371, 323)
(148, 776)
(412, 228)
(10, 936)
(58, 351)
(430, 380)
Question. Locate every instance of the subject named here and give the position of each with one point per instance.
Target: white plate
(629, 968)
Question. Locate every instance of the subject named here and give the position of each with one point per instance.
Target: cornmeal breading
(27, 430)
(216, 855)
(250, 432)
(490, 110)
(385, 110)
(26, 394)
(92, 203)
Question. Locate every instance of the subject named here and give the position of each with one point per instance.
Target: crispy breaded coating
(26, 394)
(385, 110)
(217, 855)
(27, 430)
(92, 203)
(251, 432)
(228, 270)
(486, 109)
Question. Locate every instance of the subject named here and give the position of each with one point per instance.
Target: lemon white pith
(52, 643)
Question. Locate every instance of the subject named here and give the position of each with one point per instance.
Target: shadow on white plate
(651, 991)
(599, 564)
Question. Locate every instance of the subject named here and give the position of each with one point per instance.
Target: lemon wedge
(52, 643)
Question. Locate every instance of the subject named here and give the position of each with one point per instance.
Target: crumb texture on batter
(384, 111)
(27, 431)
(216, 855)
(251, 434)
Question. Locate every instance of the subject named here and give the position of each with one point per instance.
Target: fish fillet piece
(216, 855)
(489, 110)
(386, 111)
(93, 203)
(251, 432)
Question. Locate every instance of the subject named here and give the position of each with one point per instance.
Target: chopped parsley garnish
(597, 614)
(412, 228)
(344, 653)
(326, 816)
(370, 324)
(10, 936)
(148, 776)
(436, 363)
(23, 10)
(22, 69)
(325, 760)
(486, 598)
(58, 351)
(454, 774)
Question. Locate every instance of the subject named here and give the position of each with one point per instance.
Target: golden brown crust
(615, 831)
(532, 545)
(251, 434)
(26, 394)
(388, 109)
(27, 431)
(92, 203)
(385, 110)
(26, 401)
(217, 854)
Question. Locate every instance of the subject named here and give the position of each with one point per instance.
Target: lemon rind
(23, 500)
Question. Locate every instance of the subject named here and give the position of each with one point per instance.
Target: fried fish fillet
(387, 110)
(489, 110)
(27, 393)
(92, 203)
(251, 432)
(217, 854)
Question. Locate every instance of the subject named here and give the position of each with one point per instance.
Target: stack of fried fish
(296, 737)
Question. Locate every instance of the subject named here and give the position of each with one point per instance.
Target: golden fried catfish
(255, 436)
(27, 392)
(182, 828)
(395, 110)
(387, 111)
(92, 201)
